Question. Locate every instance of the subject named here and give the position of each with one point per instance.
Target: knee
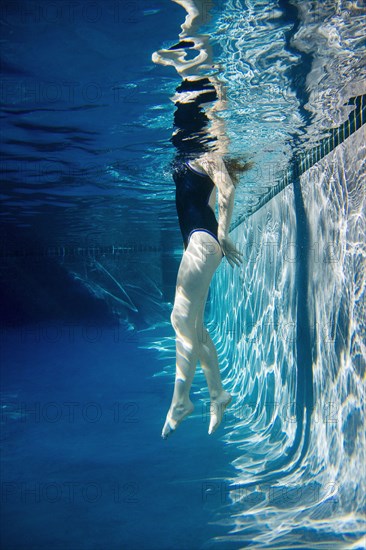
(180, 321)
(175, 319)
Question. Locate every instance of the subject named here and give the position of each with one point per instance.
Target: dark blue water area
(80, 97)
(83, 463)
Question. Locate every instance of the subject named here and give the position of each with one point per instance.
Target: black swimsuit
(191, 139)
(193, 191)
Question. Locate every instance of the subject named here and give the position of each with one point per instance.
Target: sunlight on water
(288, 80)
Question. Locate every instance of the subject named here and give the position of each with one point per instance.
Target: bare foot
(217, 409)
(176, 414)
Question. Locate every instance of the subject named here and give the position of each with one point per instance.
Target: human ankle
(215, 394)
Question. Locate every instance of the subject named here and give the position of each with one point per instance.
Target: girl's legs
(208, 355)
(199, 263)
(210, 366)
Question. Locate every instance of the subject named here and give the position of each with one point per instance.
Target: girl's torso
(195, 201)
(195, 167)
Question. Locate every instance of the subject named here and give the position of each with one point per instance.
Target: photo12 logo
(54, 12)
(70, 492)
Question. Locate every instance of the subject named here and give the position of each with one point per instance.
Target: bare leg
(198, 265)
(210, 366)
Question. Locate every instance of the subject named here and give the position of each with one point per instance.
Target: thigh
(199, 263)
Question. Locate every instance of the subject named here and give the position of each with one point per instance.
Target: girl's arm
(215, 167)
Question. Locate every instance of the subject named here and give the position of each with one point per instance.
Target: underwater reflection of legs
(199, 263)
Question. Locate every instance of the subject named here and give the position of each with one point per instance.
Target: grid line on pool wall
(302, 162)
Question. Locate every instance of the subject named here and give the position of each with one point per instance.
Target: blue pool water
(90, 249)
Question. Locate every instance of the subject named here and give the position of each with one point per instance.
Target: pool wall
(290, 329)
